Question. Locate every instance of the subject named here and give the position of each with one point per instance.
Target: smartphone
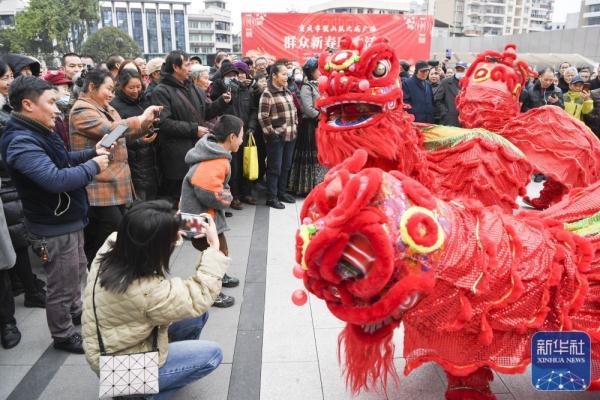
(190, 225)
(586, 87)
(113, 136)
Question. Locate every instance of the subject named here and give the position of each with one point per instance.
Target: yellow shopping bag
(251, 160)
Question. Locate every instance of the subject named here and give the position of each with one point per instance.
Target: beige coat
(127, 320)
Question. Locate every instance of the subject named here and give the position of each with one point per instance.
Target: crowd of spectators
(431, 87)
(105, 219)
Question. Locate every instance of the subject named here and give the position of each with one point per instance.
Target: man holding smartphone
(51, 184)
(542, 92)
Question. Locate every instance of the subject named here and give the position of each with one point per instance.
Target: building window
(222, 26)
(137, 28)
(201, 37)
(593, 21)
(202, 25)
(152, 31)
(165, 28)
(221, 38)
(179, 29)
(122, 19)
(7, 20)
(106, 16)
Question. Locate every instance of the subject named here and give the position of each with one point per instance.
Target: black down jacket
(185, 108)
(143, 159)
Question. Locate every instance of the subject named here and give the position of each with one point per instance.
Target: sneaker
(236, 205)
(230, 281)
(274, 203)
(10, 335)
(72, 344)
(224, 301)
(287, 198)
(36, 300)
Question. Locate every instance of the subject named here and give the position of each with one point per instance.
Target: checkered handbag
(129, 374)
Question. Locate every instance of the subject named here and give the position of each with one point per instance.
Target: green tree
(10, 42)
(46, 26)
(108, 41)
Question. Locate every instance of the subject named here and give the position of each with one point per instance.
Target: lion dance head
(361, 107)
(368, 245)
(490, 90)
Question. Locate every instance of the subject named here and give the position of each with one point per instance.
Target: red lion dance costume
(362, 108)
(471, 284)
(561, 147)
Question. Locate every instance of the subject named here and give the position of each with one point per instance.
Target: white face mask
(63, 101)
(298, 78)
(459, 75)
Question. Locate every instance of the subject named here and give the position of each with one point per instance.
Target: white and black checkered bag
(128, 374)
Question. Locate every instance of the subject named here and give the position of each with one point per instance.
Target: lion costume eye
(381, 69)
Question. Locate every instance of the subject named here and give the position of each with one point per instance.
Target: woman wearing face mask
(63, 102)
(306, 171)
(141, 152)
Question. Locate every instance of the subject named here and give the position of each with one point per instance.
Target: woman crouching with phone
(205, 188)
(129, 294)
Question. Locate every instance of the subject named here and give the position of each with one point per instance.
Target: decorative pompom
(299, 297)
(364, 85)
(420, 230)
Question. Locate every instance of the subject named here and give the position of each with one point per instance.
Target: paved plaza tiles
(273, 350)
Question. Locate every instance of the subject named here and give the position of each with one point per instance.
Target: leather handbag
(128, 374)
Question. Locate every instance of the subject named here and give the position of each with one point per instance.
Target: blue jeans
(279, 162)
(189, 359)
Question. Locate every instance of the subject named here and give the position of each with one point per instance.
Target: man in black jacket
(184, 112)
(542, 92)
(419, 94)
(445, 96)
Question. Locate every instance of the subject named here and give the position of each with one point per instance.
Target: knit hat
(154, 65)
(57, 78)
(242, 66)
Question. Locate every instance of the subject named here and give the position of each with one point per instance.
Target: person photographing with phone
(542, 92)
(206, 189)
(91, 118)
(578, 101)
(51, 185)
(142, 156)
(131, 299)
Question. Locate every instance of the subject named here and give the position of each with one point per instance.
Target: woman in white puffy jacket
(133, 295)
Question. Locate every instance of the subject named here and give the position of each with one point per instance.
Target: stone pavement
(273, 350)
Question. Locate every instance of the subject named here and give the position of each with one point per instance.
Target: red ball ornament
(299, 297)
(298, 271)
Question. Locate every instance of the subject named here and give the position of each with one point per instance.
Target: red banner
(297, 36)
